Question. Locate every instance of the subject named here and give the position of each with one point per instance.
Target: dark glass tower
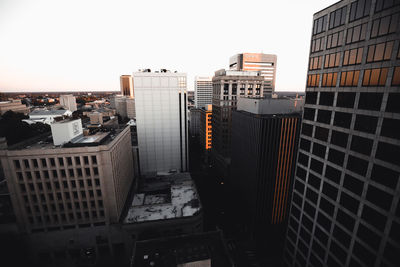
(345, 205)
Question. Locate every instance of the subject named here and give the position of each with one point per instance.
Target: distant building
(14, 105)
(194, 121)
(161, 118)
(203, 90)
(345, 208)
(85, 182)
(265, 63)
(127, 86)
(205, 129)
(194, 250)
(265, 136)
(68, 101)
(49, 116)
(124, 106)
(190, 96)
(228, 86)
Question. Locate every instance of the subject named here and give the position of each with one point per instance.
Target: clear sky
(54, 45)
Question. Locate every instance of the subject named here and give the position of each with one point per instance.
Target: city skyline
(55, 47)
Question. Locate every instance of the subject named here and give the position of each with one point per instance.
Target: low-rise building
(48, 116)
(14, 105)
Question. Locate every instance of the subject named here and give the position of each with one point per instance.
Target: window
(329, 79)
(366, 123)
(339, 138)
(359, 9)
(335, 156)
(349, 78)
(307, 129)
(384, 25)
(353, 184)
(77, 160)
(319, 25)
(315, 63)
(317, 44)
(313, 80)
(321, 133)
(311, 97)
(356, 33)
(379, 197)
(69, 161)
(345, 99)
(346, 220)
(373, 217)
(353, 56)
(44, 163)
(396, 76)
(379, 52)
(86, 160)
(370, 101)
(388, 153)
(357, 165)
(324, 116)
(226, 88)
(17, 164)
(393, 101)
(52, 162)
(234, 88)
(337, 17)
(334, 40)
(332, 60)
(319, 150)
(349, 203)
(61, 161)
(326, 98)
(26, 163)
(375, 77)
(361, 145)
(391, 128)
(35, 163)
(309, 114)
(385, 4)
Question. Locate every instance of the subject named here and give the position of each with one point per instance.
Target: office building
(67, 180)
(69, 102)
(126, 82)
(161, 118)
(203, 91)
(345, 207)
(265, 135)
(265, 63)
(205, 129)
(228, 86)
(14, 105)
(200, 249)
(194, 122)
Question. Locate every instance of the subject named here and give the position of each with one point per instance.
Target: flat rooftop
(164, 197)
(200, 249)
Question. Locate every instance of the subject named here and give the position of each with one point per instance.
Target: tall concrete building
(345, 206)
(228, 86)
(161, 118)
(78, 181)
(202, 91)
(265, 135)
(126, 82)
(265, 63)
(68, 101)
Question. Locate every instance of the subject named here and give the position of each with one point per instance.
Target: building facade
(205, 130)
(228, 86)
(161, 118)
(202, 91)
(345, 207)
(68, 101)
(265, 63)
(194, 122)
(14, 105)
(265, 135)
(126, 82)
(59, 187)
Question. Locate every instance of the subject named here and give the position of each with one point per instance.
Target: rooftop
(223, 72)
(200, 249)
(164, 197)
(45, 112)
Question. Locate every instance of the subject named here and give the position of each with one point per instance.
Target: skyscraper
(345, 206)
(265, 63)
(161, 117)
(127, 86)
(202, 91)
(265, 135)
(68, 101)
(228, 85)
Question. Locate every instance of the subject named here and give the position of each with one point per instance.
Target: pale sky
(57, 45)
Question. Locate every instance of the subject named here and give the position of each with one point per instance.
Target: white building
(48, 116)
(161, 117)
(202, 91)
(68, 101)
